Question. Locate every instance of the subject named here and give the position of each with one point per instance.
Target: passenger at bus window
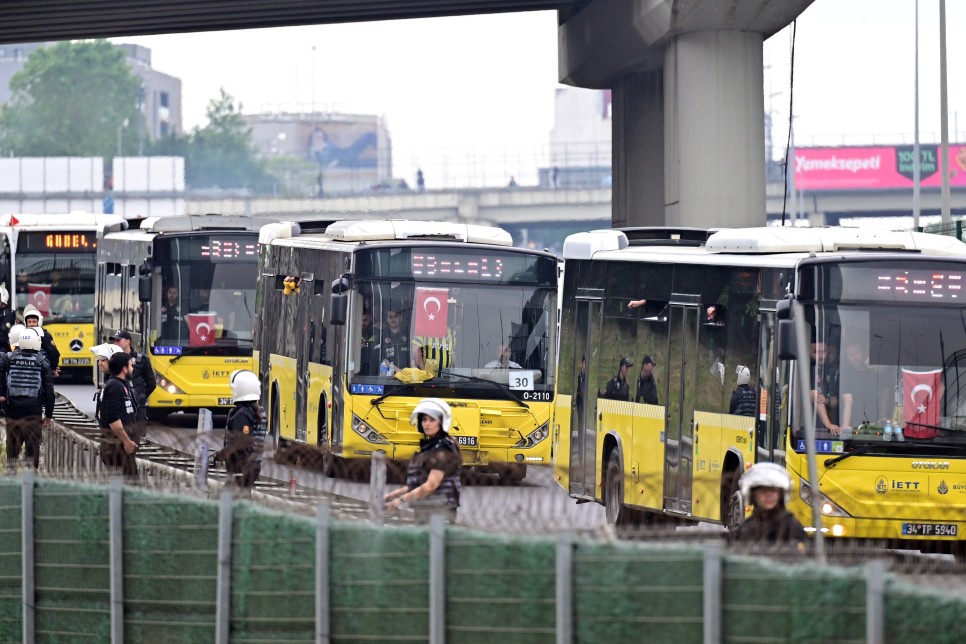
(433, 476)
(65, 305)
(824, 387)
(743, 399)
(369, 338)
(394, 343)
(863, 396)
(173, 326)
(617, 387)
(442, 350)
(503, 361)
(715, 315)
(646, 386)
(765, 487)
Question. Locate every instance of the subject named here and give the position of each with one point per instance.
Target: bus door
(683, 324)
(583, 444)
(303, 352)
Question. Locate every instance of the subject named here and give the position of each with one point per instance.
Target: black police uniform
(244, 442)
(117, 403)
(742, 401)
(8, 317)
(49, 349)
(617, 389)
(646, 390)
(27, 383)
(142, 382)
(437, 453)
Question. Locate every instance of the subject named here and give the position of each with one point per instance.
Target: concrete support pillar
(638, 150)
(714, 165)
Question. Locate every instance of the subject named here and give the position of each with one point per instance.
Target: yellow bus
(349, 312)
(883, 312)
(184, 286)
(52, 267)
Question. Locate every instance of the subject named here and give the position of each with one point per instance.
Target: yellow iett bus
(349, 311)
(185, 288)
(52, 267)
(883, 314)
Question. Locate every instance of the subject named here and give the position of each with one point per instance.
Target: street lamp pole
(943, 115)
(916, 177)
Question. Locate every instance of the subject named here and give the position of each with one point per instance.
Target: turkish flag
(430, 311)
(201, 329)
(920, 405)
(39, 296)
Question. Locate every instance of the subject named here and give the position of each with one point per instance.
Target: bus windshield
(874, 365)
(60, 286)
(466, 334)
(205, 306)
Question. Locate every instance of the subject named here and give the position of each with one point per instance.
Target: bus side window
(323, 352)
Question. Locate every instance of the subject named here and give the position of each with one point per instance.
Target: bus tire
(513, 473)
(618, 515)
(732, 505)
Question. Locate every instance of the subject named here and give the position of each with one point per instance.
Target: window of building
(163, 99)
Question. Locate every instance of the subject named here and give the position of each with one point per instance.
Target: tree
(70, 100)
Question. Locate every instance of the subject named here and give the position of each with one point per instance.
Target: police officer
(743, 397)
(142, 378)
(245, 433)
(102, 353)
(617, 387)
(118, 412)
(765, 487)
(433, 477)
(27, 387)
(33, 319)
(8, 318)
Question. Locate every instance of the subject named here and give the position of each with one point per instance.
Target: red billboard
(875, 168)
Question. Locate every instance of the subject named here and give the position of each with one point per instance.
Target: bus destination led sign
(65, 241)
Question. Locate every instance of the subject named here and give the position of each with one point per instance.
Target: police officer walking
(245, 433)
(118, 411)
(433, 477)
(617, 387)
(141, 380)
(8, 318)
(27, 387)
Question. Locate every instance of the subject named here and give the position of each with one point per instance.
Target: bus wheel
(617, 514)
(732, 505)
(513, 473)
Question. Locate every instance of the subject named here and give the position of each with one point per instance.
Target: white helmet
(764, 475)
(245, 386)
(435, 407)
(30, 339)
(743, 375)
(31, 311)
(105, 351)
(4, 295)
(14, 334)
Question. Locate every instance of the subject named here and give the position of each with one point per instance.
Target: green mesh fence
(498, 588)
(631, 592)
(11, 622)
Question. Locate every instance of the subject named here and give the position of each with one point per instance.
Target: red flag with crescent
(201, 329)
(39, 296)
(430, 312)
(920, 390)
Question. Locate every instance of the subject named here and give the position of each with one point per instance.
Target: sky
(484, 85)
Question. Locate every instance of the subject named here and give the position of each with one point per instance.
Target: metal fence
(108, 562)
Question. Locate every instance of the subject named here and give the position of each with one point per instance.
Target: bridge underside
(43, 20)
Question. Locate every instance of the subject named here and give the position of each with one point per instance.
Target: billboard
(875, 167)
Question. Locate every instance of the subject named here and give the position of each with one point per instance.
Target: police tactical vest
(25, 377)
(254, 440)
(746, 401)
(448, 492)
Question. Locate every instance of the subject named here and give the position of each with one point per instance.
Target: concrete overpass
(687, 78)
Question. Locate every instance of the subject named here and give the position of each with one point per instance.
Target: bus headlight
(828, 506)
(534, 437)
(167, 385)
(368, 433)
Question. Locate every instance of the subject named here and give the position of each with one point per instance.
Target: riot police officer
(245, 432)
(33, 319)
(27, 387)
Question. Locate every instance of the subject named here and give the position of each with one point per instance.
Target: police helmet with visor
(14, 334)
(744, 375)
(435, 407)
(30, 340)
(769, 475)
(245, 386)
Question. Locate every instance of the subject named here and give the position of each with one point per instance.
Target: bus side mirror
(145, 284)
(339, 303)
(787, 345)
(338, 309)
(783, 309)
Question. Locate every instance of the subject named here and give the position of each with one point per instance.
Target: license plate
(224, 401)
(75, 361)
(467, 441)
(930, 529)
